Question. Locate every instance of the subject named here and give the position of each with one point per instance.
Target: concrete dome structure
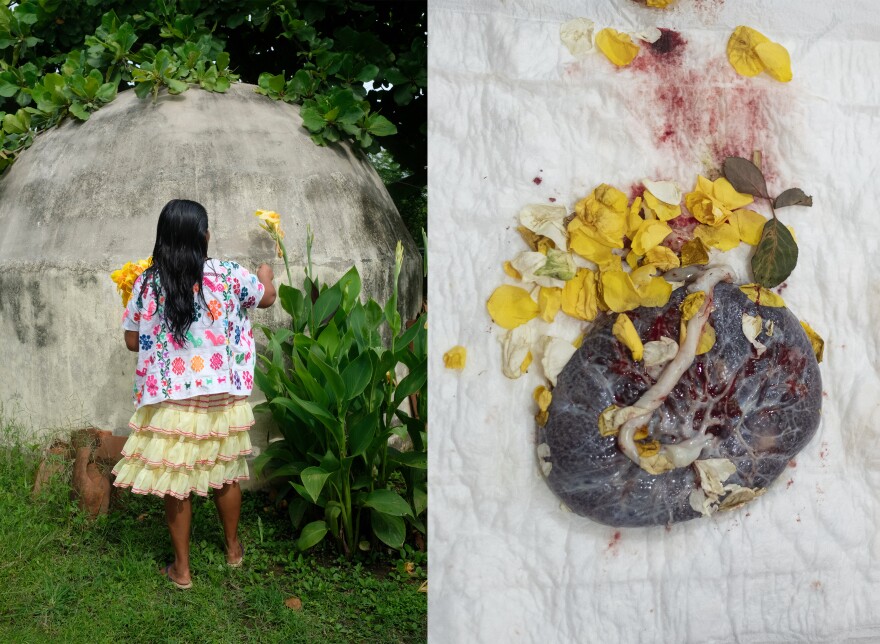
(85, 198)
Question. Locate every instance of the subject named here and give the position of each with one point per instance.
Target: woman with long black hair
(187, 320)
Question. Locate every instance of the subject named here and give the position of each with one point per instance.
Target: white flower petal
(528, 262)
(713, 472)
(649, 34)
(557, 353)
(752, 327)
(668, 192)
(658, 352)
(577, 36)
(514, 349)
(548, 221)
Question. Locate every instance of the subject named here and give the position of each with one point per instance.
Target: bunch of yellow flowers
(125, 277)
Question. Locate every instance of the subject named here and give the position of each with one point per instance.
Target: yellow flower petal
(663, 211)
(515, 353)
(579, 296)
(691, 305)
(815, 340)
(549, 302)
(607, 426)
(648, 448)
(455, 358)
(694, 252)
(510, 270)
(748, 224)
(618, 291)
(761, 296)
(728, 196)
(617, 47)
(602, 214)
(632, 260)
(775, 59)
(655, 293)
(663, 258)
(626, 333)
(707, 338)
(659, 4)
(722, 237)
(642, 275)
(527, 361)
(741, 51)
(650, 234)
(634, 218)
(511, 306)
(542, 397)
(271, 217)
(588, 248)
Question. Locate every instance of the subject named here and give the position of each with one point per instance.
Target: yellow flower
(125, 277)
(455, 358)
(711, 202)
(587, 247)
(602, 215)
(618, 291)
(618, 47)
(272, 225)
(579, 297)
(626, 333)
(511, 306)
(750, 52)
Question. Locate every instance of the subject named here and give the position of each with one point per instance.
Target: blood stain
(552, 200)
(537, 181)
(792, 463)
(816, 585)
(790, 483)
(636, 190)
(614, 541)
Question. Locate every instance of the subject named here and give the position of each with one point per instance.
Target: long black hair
(179, 261)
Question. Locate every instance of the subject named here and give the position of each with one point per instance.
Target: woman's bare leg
(178, 514)
(228, 501)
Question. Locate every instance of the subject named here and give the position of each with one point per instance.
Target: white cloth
(219, 354)
(509, 105)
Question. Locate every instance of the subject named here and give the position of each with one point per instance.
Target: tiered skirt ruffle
(184, 446)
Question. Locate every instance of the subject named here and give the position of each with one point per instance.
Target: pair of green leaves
(777, 252)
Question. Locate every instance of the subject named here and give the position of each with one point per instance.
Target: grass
(66, 578)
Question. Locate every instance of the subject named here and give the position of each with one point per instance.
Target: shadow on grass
(66, 578)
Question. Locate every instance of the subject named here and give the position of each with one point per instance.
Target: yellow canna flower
(271, 217)
(125, 277)
(455, 358)
(618, 47)
(272, 225)
(712, 202)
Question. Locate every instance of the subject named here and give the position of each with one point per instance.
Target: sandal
(167, 573)
(238, 563)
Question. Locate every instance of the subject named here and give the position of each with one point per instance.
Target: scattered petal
(558, 265)
(738, 495)
(713, 473)
(602, 215)
(752, 326)
(577, 36)
(511, 271)
(659, 209)
(632, 260)
(659, 352)
(618, 291)
(548, 221)
(775, 59)
(549, 303)
(711, 202)
(741, 51)
(650, 234)
(648, 35)
(694, 252)
(607, 426)
(663, 258)
(557, 353)
(543, 451)
(762, 296)
(626, 333)
(530, 265)
(815, 340)
(659, 4)
(669, 192)
(579, 295)
(691, 305)
(511, 306)
(515, 351)
(723, 237)
(542, 397)
(748, 224)
(617, 47)
(455, 358)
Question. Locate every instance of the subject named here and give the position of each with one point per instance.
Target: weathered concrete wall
(85, 198)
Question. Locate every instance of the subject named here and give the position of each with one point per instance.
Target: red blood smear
(682, 231)
(552, 199)
(636, 190)
(792, 463)
(706, 111)
(537, 181)
(614, 540)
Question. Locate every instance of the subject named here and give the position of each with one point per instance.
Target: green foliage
(68, 58)
(331, 384)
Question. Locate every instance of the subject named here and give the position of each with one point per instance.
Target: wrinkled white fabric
(509, 104)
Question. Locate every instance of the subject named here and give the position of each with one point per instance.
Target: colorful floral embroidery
(152, 385)
(197, 364)
(146, 342)
(216, 311)
(178, 366)
(248, 379)
(216, 361)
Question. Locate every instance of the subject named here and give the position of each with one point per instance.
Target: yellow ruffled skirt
(181, 446)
